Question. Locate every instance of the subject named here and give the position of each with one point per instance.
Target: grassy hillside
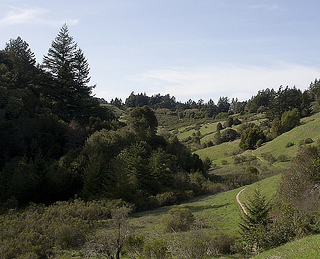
(220, 213)
(309, 128)
(223, 155)
(301, 249)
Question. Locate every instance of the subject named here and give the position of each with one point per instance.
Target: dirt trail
(256, 156)
(239, 202)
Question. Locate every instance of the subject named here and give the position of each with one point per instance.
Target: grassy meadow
(214, 214)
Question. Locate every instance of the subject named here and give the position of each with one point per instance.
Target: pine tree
(67, 64)
(23, 59)
(81, 74)
(255, 224)
(61, 55)
(69, 68)
(20, 50)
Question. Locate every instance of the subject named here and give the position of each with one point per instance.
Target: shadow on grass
(198, 208)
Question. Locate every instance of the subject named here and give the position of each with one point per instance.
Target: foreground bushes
(36, 231)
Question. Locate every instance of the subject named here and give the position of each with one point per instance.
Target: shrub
(221, 115)
(289, 144)
(156, 249)
(193, 244)
(308, 141)
(236, 121)
(134, 245)
(269, 157)
(38, 229)
(178, 219)
(198, 244)
(239, 159)
(260, 142)
(166, 198)
(252, 170)
(210, 143)
(222, 244)
(283, 158)
(224, 162)
(229, 135)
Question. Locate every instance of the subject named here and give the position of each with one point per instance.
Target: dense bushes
(38, 229)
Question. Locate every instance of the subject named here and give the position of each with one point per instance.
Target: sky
(190, 49)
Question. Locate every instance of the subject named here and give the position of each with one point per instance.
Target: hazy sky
(187, 48)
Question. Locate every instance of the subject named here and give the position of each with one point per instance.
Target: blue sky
(186, 48)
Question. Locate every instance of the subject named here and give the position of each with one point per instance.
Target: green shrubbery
(178, 219)
(38, 230)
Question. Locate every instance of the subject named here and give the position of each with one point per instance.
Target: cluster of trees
(273, 102)
(208, 109)
(57, 141)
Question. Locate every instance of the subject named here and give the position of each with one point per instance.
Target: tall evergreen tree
(61, 55)
(81, 74)
(70, 70)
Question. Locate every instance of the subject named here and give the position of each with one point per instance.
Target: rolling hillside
(305, 248)
(266, 157)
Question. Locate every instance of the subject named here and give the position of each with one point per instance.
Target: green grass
(305, 248)
(220, 152)
(309, 129)
(268, 188)
(219, 212)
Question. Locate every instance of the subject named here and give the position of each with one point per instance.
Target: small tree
(229, 135)
(250, 137)
(143, 120)
(219, 126)
(255, 224)
(289, 120)
(110, 243)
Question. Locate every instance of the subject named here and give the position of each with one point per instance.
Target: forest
(98, 159)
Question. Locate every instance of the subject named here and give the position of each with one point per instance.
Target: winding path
(239, 202)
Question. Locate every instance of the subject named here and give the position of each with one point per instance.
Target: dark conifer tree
(61, 55)
(81, 74)
(23, 59)
(70, 70)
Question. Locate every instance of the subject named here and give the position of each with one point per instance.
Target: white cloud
(230, 80)
(30, 15)
(266, 7)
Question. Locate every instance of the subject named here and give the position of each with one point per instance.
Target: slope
(305, 248)
(272, 156)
